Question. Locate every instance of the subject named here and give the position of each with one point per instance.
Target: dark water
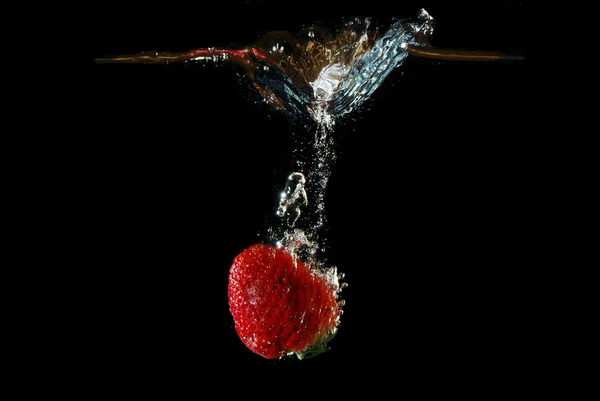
(182, 166)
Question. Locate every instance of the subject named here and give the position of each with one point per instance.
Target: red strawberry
(281, 306)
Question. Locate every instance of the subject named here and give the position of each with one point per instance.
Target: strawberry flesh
(280, 305)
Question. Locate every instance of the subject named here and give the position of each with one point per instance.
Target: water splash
(315, 72)
(301, 211)
(328, 75)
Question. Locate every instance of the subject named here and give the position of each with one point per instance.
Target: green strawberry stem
(316, 349)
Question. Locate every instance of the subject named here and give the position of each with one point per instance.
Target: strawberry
(280, 305)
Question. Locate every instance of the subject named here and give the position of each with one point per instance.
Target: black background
(179, 167)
